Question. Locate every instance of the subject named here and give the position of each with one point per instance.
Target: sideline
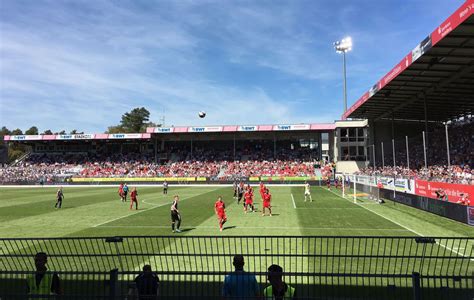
(401, 225)
(144, 184)
(293, 199)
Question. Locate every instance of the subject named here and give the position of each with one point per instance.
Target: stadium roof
(440, 69)
(166, 130)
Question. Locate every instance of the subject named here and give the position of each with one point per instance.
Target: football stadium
(376, 205)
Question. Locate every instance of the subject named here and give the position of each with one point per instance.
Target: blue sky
(82, 64)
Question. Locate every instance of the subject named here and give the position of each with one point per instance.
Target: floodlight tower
(344, 46)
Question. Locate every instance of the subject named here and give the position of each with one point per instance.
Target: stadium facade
(344, 142)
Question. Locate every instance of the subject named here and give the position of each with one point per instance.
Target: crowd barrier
(195, 267)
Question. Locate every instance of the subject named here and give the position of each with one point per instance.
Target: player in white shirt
(307, 192)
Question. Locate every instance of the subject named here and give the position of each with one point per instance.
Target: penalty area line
(293, 200)
(401, 225)
(121, 217)
(259, 227)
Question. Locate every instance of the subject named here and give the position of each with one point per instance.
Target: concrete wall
(349, 167)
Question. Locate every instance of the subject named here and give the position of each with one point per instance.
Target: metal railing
(318, 267)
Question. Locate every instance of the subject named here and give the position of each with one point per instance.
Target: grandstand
(409, 138)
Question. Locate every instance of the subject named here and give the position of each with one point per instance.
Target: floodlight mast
(344, 46)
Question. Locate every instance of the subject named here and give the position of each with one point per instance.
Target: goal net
(362, 189)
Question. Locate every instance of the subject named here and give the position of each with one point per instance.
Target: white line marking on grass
(407, 228)
(256, 227)
(326, 208)
(155, 206)
(395, 222)
(293, 199)
(121, 217)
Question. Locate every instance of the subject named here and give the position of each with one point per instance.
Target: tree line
(134, 121)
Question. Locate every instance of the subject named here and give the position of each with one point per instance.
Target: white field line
(121, 217)
(254, 227)
(159, 185)
(327, 208)
(293, 199)
(401, 225)
(144, 201)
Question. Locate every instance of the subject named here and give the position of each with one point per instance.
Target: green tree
(134, 120)
(16, 132)
(62, 132)
(4, 131)
(49, 132)
(115, 129)
(74, 131)
(32, 131)
(149, 124)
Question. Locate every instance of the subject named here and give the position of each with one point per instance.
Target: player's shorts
(240, 196)
(133, 199)
(266, 204)
(235, 193)
(222, 216)
(307, 193)
(175, 216)
(249, 202)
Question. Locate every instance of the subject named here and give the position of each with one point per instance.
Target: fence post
(113, 284)
(408, 152)
(383, 159)
(416, 286)
(447, 144)
(424, 149)
(343, 185)
(393, 152)
(355, 191)
(373, 154)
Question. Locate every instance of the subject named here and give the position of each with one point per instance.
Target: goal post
(365, 189)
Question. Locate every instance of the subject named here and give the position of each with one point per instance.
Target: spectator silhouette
(240, 284)
(42, 282)
(278, 289)
(146, 285)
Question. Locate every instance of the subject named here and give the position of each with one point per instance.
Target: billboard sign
(247, 128)
(163, 129)
(205, 129)
(453, 191)
(25, 137)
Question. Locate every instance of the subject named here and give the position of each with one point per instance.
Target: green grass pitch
(97, 211)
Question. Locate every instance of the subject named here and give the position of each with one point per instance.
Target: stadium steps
(21, 159)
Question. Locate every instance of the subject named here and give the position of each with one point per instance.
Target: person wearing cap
(278, 289)
(240, 284)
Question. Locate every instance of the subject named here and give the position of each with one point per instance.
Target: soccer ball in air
(202, 114)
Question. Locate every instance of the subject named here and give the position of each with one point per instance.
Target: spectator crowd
(217, 161)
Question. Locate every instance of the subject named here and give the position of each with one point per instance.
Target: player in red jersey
(262, 189)
(133, 198)
(120, 191)
(328, 183)
(267, 197)
(219, 208)
(248, 196)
